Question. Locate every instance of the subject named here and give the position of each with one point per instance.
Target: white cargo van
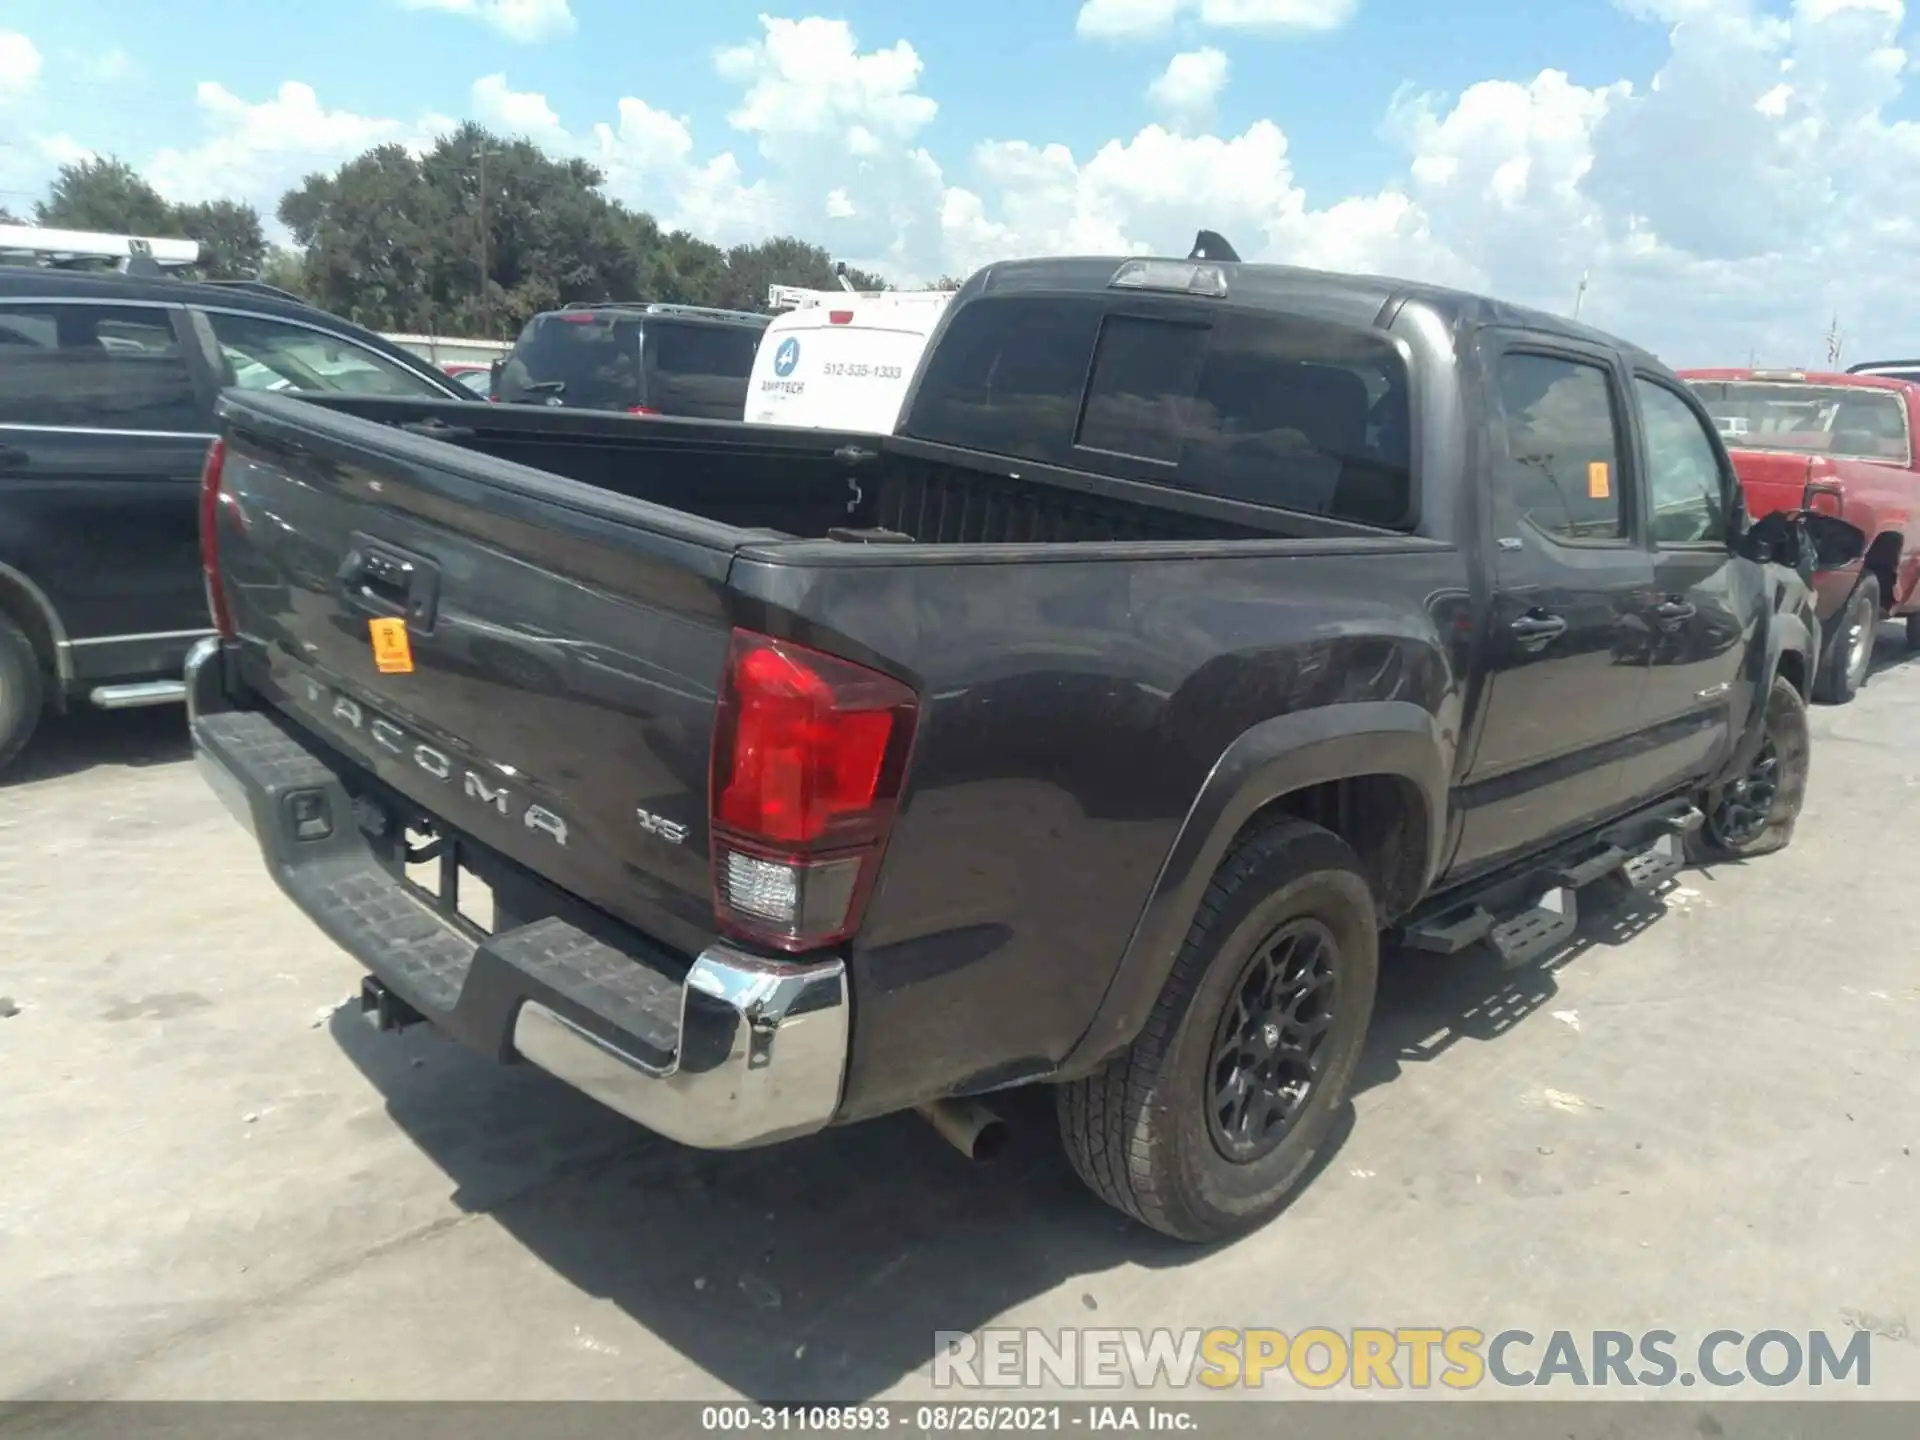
(841, 361)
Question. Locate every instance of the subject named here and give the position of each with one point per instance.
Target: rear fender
(1276, 758)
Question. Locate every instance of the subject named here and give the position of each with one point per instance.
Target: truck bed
(810, 484)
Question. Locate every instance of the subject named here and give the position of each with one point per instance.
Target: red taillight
(808, 755)
(210, 477)
(640, 410)
(839, 317)
(578, 317)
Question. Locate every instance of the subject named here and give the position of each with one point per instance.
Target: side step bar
(1522, 926)
(1542, 929)
(132, 697)
(1656, 865)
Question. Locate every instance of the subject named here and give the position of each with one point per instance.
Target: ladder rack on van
(795, 297)
(131, 254)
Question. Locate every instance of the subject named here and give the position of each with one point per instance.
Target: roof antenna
(1212, 245)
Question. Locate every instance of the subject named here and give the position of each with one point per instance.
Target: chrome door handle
(1537, 629)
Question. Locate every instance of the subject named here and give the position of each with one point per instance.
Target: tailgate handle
(381, 580)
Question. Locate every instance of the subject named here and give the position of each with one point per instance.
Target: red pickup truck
(1844, 444)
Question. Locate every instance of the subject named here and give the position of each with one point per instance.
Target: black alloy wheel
(1746, 804)
(1269, 1048)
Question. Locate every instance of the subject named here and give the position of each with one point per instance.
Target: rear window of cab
(1272, 409)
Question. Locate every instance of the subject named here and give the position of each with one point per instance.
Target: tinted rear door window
(1304, 415)
(1273, 409)
(699, 370)
(578, 358)
(713, 351)
(1560, 463)
(95, 367)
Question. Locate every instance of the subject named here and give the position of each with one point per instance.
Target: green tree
(781, 260)
(233, 246)
(371, 233)
(685, 270)
(105, 194)
(109, 194)
(417, 244)
(286, 269)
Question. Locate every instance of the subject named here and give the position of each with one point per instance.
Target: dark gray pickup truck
(1205, 622)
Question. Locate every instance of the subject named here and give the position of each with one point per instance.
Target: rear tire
(1847, 655)
(22, 691)
(1204, 1126)
(1913, 632)
(1755, 813)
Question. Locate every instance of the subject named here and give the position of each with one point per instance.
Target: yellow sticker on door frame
(1599, 480)
(392, 651)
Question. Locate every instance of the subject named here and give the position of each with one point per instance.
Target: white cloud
(523, 20)
(1190, 85)
(19, 64)
(806, 77)
(256, 151)
(1127, 17)
(1132, 19)
(1277, 14)
(518, 113)
(1733, 201)
(1730, 203)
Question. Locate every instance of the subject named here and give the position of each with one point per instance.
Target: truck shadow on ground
(90, 739)
(823, 1269)
(1430, 1003)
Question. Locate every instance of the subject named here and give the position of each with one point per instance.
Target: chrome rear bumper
(784, 1030)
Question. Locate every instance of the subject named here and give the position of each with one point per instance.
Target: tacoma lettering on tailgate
(476, 787)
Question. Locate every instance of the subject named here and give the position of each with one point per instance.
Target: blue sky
(998, 68)
(1729, 173)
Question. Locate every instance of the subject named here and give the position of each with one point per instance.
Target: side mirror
(1803, 540)
(1833, 541)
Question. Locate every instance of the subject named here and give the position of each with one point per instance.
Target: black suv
(107, 388)
(645, 359)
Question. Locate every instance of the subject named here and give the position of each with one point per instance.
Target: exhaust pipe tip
(967, 1125)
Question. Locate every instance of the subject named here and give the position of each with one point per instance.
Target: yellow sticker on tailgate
(392, 651)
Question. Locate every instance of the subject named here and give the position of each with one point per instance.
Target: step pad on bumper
(742, 1051)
